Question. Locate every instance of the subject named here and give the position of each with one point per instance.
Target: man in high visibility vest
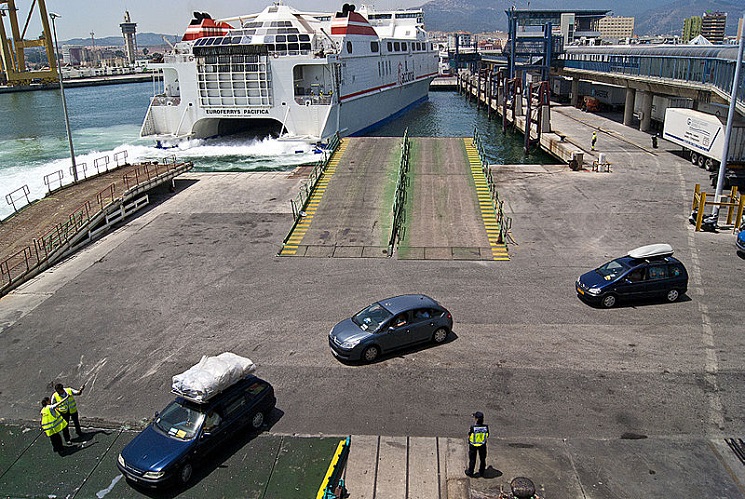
(52, 423)
(68, 408)
(477, 437)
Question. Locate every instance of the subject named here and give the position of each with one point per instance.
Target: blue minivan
(185, 431)
(645, 272)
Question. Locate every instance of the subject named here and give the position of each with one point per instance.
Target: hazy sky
(80, 17)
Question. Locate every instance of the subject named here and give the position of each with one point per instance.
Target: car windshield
(612, 269)
(179, 421)
(372, 317)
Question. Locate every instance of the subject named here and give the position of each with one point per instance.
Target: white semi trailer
(702, 136)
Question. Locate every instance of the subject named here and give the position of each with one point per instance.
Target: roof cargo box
(211, 376)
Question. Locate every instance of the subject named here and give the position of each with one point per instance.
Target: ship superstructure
(292, 74)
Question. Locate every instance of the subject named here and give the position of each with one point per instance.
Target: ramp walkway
(449, 214)
(351, 217)
(444, 213)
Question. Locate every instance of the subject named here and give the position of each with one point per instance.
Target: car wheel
(440, 335)
(700, 161)
(185, 473)
(371, 353)
(257, 421)
(694, 158)
(710, 165)
(609, 301)
(672, 295)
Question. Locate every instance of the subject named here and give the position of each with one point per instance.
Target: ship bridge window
(396, 46)
(379, 16)
(407, 15)
(236, 40)
(292, 38)
(253, 24)
(390, 47)
(403, 46)
(281, 24)
(304, 38)
(280, 38)
(349, 47)
(374, 47)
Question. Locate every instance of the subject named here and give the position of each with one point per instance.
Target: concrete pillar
(645, 115)
(628, 108)
(575, 92)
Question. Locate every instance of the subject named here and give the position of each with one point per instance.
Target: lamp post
(54, 16)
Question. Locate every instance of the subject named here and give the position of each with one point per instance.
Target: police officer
(52, 423)
(68, 408)
(477, 437)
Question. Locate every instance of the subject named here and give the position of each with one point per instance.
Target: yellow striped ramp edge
(301, 227)
(486, 204)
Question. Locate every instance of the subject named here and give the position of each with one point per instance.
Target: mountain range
(652, 17)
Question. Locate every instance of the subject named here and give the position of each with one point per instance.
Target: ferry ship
(293, 75)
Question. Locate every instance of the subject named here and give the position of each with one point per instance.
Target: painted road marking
(303, 224)
(486, 204)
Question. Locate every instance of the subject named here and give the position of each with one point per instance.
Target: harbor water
(106, 119)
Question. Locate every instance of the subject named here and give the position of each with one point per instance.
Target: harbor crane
(12, 51)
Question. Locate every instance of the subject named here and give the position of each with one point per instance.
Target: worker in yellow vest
(52, 423)
(68, 407)
(477, 437)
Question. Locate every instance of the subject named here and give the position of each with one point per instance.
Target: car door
(657, 281)
(396, 334)
(423, 324)
(632, 285)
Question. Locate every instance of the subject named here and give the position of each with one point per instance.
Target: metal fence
(505, 223)
(399, 201)
(299, 202)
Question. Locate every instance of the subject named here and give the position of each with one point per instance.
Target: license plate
(580, 290)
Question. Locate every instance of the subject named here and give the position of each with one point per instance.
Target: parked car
(740, 241)
(648, 271)
(183, 433)
(388, 325)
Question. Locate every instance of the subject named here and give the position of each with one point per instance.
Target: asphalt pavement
(629, 402)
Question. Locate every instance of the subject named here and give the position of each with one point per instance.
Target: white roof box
(651, 250)
(210, 376)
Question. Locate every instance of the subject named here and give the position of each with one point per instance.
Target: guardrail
(505, 223)
(26, 259)
(736, 202)
(299, 202)
(55, 181)
(332, 486)
(148, 170)
(399, 201)
(10, 198)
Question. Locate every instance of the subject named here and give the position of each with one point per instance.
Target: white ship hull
(293, 75)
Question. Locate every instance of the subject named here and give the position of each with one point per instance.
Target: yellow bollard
(696, 192)
(701, 207)
(731, 205)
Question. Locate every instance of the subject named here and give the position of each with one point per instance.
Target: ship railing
(505, 223)
(307, 100)
(164, 100)
(399, 202)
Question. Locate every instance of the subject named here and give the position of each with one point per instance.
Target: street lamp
(54, 16)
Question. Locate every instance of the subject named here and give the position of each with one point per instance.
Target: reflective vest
(478, 435)
(69, 405)
(51, 421)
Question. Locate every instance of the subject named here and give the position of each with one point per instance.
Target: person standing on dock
(477, 437)
(52, 423)
(68, 408)
(594, 139)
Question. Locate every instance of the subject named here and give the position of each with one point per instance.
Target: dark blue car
(184, 432)
(649, 271)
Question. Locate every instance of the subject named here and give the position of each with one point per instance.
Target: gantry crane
(12, 57)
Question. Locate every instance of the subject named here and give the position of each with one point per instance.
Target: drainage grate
(738, 447)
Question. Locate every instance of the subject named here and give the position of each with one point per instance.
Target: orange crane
(12, 56)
